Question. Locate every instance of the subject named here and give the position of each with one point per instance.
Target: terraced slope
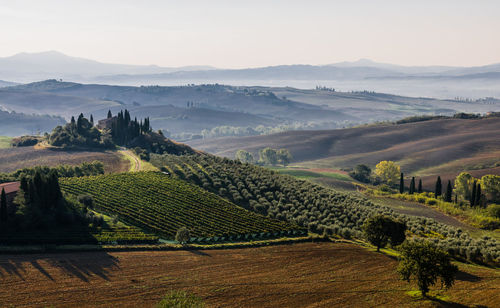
(162, 204)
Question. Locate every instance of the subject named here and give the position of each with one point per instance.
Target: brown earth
(299, 275)
(12, 159)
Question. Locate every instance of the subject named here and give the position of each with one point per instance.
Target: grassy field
(5, 142)
(12, 159)
(299, 275)
(313, 173)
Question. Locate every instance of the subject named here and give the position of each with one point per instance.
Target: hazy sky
(256, 33)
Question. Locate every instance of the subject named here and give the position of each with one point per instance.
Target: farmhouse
(11, 190)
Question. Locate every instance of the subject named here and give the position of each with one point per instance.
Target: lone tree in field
(388, 171)
(183, 235)
(439, 188)
(449, 191)
(424, 262)
(380, 230)
(401, 183)
(420, 189)
(3, 206)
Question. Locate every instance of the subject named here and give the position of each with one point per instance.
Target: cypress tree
(478, 195)
(109, 114)
(449, 191)
(401, 184)
(420, 186)
(92, 120)
(412, 186)
(3, 206)
(439, 187)
(473, 195)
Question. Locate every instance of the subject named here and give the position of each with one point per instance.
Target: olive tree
(426, 263)
(380, 230)
(183, 235)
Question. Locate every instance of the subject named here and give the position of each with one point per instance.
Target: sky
(238, 34)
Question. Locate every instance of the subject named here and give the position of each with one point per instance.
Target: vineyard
(159, 203)
(309, 205)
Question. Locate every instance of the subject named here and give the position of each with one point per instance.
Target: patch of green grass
(436, 296)
(301, 174)
(307, 174)
(180, 299)
(5, 142)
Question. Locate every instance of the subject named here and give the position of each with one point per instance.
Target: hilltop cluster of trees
(79, 133)
(124, 129)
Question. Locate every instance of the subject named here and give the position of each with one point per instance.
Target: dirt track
(300, 275)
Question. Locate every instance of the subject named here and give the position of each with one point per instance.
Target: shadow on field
(198, 252)
(464, 276)
(81, 265)
(442, 303)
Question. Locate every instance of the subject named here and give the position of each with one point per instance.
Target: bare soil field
(299, 275)
(12, 159)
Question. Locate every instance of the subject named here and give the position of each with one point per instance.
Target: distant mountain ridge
(28, 67)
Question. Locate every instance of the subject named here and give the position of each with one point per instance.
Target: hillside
(424, 148)
(194, 108)
(320, 209)
(162, 204)
(16, 124)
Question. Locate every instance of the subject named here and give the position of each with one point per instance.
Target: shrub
(494, 210)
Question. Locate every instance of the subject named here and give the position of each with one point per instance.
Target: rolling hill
(193, 108)
(443, 146)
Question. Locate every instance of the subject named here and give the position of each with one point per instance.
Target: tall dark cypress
(477, 202)
(3, 206)
(401, 184)
(412, 186)
(420, 190)
(109, 114)
(449, 191)
(92, 120)
(473, 195)
(439, 187)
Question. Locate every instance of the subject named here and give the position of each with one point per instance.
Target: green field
(5, 142)
(162, 204)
